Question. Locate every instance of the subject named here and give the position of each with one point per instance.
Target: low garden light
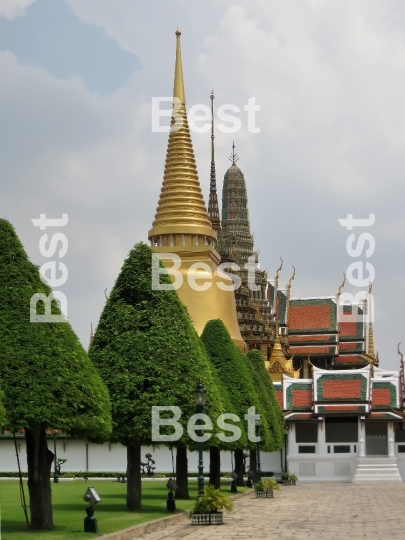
(258, 466)
(200, 398)
(90, 522)
(171, 503)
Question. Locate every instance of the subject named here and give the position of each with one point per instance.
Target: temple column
(322, 446)
(391, 439)
(362, 438)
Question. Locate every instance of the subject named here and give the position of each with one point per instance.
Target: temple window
(306, 432)
(341, 430)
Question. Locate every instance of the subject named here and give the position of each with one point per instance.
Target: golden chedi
(182, 226)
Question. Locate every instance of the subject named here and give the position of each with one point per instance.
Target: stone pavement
(310, 511)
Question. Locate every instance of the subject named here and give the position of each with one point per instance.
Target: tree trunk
(39, 460)
(253, 464)
(215, 467)
(182, 473)
(239, 467)
(134, 492)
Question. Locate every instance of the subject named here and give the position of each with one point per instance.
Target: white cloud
(11, 9)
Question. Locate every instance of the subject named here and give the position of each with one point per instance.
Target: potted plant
(209, 506)
(286, 478)
(265, 488)
(289, 479)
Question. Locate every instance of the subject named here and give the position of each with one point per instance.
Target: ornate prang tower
(213, 209)
(236, 244)
(182, 226)
(236, 239)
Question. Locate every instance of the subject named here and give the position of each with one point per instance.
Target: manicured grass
(69, 508)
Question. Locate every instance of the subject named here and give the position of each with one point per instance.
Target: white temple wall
(110, 457)
(323, 465)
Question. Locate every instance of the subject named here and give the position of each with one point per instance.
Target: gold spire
(213, 209)
(370, 348)
(182, 226)
(181, 208)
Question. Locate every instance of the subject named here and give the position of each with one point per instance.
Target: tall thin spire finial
(213, 209)
(370, 348)
(234, 156)
(178, 88)
(212, 125)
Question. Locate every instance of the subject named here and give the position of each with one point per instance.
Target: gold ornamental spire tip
(178, 88)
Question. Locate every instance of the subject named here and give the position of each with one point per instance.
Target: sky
(76, 88)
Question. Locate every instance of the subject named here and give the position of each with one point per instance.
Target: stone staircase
(376, 470)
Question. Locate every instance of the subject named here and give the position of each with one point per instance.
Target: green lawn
(69, 508)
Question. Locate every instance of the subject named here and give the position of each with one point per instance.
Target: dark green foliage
(263, 382)
(148, 353)
(2, 410)
(233, 371)
(47, 378)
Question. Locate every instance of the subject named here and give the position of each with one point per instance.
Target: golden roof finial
(279, 270)
(400, 354)
(289, 295)
(291, 279)
(181, 208)
(275, 307)
(339, 292)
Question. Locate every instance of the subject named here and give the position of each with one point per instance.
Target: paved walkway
(327, 511)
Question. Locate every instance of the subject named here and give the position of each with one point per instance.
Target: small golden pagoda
(182, 226)
(278, 364)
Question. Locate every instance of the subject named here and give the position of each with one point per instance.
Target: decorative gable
(297, 394)
(384, 393)
(312, 314)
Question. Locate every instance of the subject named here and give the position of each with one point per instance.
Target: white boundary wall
(109, 457)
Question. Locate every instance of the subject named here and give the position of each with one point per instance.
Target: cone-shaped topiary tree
(2, 410)
(233, 371)
(274, 414)
(49, 382)
(149, 354)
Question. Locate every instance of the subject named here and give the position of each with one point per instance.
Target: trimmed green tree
(2, 410)
(148, 354)
(274, 414)
(49, 382)
(233, 372)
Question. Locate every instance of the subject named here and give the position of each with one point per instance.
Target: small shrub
(212, 502)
